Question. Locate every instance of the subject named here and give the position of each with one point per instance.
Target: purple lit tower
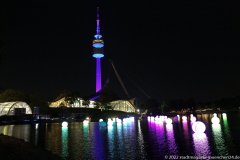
(98, 53)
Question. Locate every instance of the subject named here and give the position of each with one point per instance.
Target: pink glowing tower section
(98, 75)
(98, 44)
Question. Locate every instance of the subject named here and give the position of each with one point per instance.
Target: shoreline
(17, 149)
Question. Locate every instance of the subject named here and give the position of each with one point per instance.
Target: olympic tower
(98, 53)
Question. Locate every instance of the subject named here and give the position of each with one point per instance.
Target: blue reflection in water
(172, 147)
(64, 134)
(129, 138)
(218, 140)
(201, 145)
(120, 140)
(110, 141)
(97, 146)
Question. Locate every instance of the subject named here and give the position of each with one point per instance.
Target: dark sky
(169, 49)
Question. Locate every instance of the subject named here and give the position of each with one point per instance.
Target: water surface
(133, 139)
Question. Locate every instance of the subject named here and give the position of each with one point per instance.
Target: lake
(135, 139)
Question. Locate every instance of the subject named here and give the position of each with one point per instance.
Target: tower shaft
(98, 75)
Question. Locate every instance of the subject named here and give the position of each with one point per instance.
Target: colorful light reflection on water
(201, 145)
(133, 139)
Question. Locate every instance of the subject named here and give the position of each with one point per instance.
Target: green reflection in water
(111, 145)
(226, 130)
(218, 140)
(64, 143)
(86, 141)
(85, 131)
(225, 123)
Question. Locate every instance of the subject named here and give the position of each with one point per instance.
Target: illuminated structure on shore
(14, 108)
(98, 53)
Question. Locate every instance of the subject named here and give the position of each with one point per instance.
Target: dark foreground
(15, 149)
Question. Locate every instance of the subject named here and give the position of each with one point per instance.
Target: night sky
(168, 49)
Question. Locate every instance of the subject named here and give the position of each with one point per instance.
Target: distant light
(198, 127)
(215, 119)
(169, 121)
(85, 122)
(64, 124)
(169, 127)
(149, 118)
(119, 121)
(138, 110)
(131, 119)
(178, 116)
(36, 125)
(159, 119)
(110, 122)
(224, 115)
(193, 119)
(100, 120)
(98, 55)
(184, 118)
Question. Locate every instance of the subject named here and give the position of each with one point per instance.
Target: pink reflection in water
(172, 147)
(201, 145)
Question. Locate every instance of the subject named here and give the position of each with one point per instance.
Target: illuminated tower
(98, 53)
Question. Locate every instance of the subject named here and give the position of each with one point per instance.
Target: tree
(152, 105)
(106, 96)
(86, 103)
(163, 106)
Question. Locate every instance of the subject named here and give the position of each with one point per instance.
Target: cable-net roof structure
(123, 105)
